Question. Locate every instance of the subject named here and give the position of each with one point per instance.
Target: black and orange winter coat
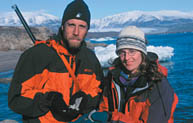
(139, 102)
(41, 69)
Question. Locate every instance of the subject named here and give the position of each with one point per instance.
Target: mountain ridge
(159, 21)
(164, 21)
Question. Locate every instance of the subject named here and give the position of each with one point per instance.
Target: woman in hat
(136, 90)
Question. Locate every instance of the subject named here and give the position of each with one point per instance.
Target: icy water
(180, 75)
(180, 71)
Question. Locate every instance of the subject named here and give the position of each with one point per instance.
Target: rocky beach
(15, 40)
(8, 59)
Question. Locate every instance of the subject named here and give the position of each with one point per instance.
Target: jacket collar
(140, 84)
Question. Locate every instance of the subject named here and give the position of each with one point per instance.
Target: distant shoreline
(8, 59)
(91, 35)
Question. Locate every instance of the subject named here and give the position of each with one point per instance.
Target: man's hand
(59, 108)
(99, 117)
(94, 117)
(78, 101)
(61, 111)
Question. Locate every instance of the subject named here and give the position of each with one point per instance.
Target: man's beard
(74, 47)
(74, 44)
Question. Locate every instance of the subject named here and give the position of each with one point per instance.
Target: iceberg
(107, 54)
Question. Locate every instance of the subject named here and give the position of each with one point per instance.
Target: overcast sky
(99, 8)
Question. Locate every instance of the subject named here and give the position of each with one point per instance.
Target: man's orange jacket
(41, 69)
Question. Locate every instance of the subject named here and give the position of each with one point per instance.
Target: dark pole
(24, 23)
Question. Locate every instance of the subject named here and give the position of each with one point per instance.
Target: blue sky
(99, 8)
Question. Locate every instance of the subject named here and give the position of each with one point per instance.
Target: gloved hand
(99, 117)
(61, 111)
(57, 102)
(78, 101)
(59, 108)
(94, 117)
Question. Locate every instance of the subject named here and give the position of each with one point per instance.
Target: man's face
(74, 32)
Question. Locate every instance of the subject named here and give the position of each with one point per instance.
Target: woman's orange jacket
(141, 103)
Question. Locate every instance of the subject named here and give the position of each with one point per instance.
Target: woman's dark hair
(148, 68)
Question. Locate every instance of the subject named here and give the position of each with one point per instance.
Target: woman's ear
(62, 28)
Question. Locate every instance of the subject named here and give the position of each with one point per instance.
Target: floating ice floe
(107, 54)
(103, 39)
(164, 53)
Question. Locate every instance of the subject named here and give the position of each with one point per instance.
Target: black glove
(78, 102)
(59, 108)
(57, 101)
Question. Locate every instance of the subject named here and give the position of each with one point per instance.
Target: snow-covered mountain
(149, 21)
(37, 18)
(152, 22)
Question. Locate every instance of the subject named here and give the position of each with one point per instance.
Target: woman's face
(130, 58)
